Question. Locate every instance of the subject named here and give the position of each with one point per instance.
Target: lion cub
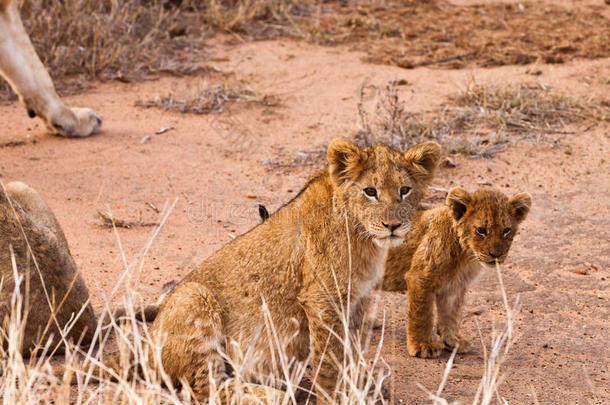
(298, 270)
(443, 254)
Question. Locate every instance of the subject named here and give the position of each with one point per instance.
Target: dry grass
(80, 40)
(34, 381)
(208, 98)
(362, 381)
(479, 121)
(440, 34)
(256, 19)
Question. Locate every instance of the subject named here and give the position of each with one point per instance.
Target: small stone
(249, 195)
(448, 163)
(176, 30)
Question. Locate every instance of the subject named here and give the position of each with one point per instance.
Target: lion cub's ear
(345, 160)
(458, 200)
(423, 160)
(520, 205)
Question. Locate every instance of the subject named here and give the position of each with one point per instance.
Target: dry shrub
(209, 98)
(256, 19)
(479, 121)
(108, 39)
(521, 109)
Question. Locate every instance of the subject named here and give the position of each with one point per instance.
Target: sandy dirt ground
(219, 167)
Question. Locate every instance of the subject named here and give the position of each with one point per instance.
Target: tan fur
(443, 254)
(325, 248)
(24, 71)
(25, 216)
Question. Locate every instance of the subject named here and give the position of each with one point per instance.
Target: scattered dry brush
(478, 121)
(127, 39)
(209, 99)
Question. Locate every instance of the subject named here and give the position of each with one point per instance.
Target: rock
(448, 163)
(176, 30)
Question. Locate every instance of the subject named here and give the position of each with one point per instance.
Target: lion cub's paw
(425, 349)
(462, 344)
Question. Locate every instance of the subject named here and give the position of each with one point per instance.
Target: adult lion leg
(26, 74)
(54, 293)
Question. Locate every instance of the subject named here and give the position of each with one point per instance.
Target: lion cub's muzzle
(392, 234)
(492, 258)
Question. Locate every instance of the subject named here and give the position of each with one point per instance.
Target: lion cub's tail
(147, 313)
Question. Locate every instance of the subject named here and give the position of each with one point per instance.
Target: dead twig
(443, 60)
(153, 207)
(164, 130)
(109, 222)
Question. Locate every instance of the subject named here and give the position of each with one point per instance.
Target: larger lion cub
(322, 250)
(443, 254)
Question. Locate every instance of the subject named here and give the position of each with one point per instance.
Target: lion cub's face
(487, 220)
(381, 187)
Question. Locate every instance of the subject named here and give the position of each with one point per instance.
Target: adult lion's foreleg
(21, 67)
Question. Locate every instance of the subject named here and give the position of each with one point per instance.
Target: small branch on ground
(109, 222)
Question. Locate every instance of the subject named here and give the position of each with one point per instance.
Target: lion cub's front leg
(327, 347)
(421, 336)
(449, 304)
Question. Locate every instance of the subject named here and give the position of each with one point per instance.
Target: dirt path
(221, 166)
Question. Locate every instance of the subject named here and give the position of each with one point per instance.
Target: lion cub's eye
(370, 191)
(482, 231)
(506, 231)
(404, 191)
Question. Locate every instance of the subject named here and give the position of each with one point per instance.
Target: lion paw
(89, 122)
(425, 349)
(74, 122)
(457, 341)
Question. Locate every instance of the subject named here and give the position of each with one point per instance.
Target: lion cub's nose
(495, 255)
(392, 227)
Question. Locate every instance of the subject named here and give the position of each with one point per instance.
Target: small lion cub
(443, 254)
